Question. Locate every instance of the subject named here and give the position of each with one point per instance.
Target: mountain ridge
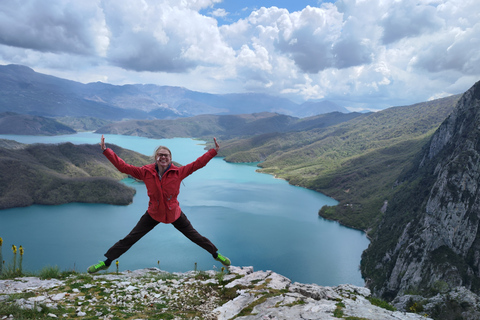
(27, 92)
(430, 236)
(225, 126)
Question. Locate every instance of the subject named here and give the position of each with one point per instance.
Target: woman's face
(163, 157)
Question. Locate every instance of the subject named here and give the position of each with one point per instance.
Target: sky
(360, 54)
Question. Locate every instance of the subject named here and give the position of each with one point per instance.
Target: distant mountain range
(25, 91)
(226, 126)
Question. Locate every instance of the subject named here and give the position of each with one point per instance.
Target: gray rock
(260, 295)
(435, 237)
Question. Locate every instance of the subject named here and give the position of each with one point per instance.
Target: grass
(381, 303)
(19, 313)
(47, 272)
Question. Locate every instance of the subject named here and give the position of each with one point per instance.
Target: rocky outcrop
(152, 293)
(430, 235)
(459, 303)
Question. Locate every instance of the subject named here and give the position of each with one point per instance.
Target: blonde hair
(161, 147)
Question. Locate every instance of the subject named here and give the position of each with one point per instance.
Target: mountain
(429, 239)
(61, 173)
(357, 162)
(224, 126)
(14, 123)
(25, 91)
(83, 123)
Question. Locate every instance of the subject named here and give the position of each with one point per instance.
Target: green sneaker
(224, 260)
(97, 267)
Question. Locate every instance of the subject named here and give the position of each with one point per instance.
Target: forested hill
(14, 123)
(357, 162)
(226, 126)
(63, 173)
(429, 240)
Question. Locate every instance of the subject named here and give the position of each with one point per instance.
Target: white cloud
(373, 53)
(221, 13)
(406, 19)
(60, 26)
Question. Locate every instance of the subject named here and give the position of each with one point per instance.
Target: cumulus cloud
(220, 13)
(162, 36)
(376, 52)
(456, 50)
(409, 19)
(61, 26)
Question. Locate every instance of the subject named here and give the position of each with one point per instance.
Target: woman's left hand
(217, 146)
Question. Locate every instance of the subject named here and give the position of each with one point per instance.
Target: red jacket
(163, 205)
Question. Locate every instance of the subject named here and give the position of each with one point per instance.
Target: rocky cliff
(429, 240)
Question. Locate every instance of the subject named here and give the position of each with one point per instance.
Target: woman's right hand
(102, 143)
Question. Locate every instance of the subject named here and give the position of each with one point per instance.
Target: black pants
(147, 223)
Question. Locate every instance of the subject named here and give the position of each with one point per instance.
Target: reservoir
(253, 218)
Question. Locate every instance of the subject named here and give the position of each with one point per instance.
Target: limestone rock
(258, 295)
(429, 239)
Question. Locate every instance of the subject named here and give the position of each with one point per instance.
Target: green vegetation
(225, 126)
(356, 162)
(109, 296)
(13, 123)
(381, 303)
(63, 173)
(401, 258)
(23, 314)
(15, 269)
(83, 123)
(338, 313)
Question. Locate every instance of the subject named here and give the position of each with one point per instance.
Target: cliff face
(429, 240)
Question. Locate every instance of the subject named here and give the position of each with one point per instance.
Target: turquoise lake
(253, 218)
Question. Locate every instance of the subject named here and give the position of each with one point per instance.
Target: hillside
(429, 240)
(225, 126)
(63, 173)
(14, 123)
(83, 123)
(28, 92)
(356, 162)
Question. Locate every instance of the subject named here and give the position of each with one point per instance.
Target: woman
(162, 180)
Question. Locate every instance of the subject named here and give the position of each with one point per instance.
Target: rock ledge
(145, 293)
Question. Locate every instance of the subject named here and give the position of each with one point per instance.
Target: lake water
(253, 218)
